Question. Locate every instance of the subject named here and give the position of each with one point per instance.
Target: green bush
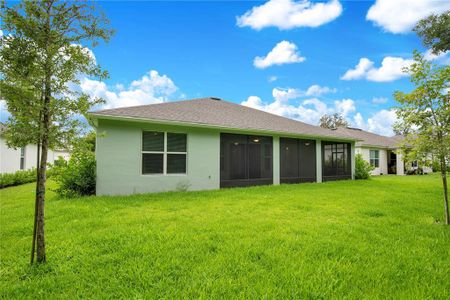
(77, 176)
(362, 168)
(21, 177)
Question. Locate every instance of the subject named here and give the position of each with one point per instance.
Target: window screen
(164, 153)
(375, 158)
(153, 141)
(176, 142)
(152, 163)
(336, 159)
(176, 163)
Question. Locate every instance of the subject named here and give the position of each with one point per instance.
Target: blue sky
(166, 51)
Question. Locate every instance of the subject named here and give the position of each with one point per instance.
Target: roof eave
(93, 117)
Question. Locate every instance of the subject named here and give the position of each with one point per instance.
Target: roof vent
(354, 128)
(215, 98)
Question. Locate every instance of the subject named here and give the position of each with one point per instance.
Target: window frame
(375, 159)
(22, 159)
(165, 154)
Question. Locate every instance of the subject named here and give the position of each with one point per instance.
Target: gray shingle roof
(371, 139)
(219, 113)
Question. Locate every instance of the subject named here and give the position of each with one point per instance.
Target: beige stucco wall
(10, 157)
(382, 169)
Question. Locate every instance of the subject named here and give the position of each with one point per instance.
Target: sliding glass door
(297, 160)
(245, 160)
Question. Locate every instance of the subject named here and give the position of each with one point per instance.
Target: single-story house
(12, 160)
(380, 151)
(210, 143)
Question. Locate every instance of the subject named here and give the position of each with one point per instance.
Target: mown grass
(355, 239)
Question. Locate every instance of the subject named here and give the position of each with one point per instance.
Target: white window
(375, 158)
(22, 158)
(164, 152)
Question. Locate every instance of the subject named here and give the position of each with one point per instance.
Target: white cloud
(283, 95)
(344, 107)
(288, 14)
(272, 78)
(380, 122)
(391, 69)
(359, 71)
(442, 57)
(283, 53)
(317, 90)
(151, 88)
(379, 100)
(309, 110)
(1, 33)
(400, 16)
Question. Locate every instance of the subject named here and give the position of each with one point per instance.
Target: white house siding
(400, 164)
(10, 158)
(365, 152)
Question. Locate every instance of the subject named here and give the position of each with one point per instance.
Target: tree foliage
(426, 112)
(435, 32)
(43, 54)
(333, 121)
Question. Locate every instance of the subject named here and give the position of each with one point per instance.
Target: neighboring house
(380, 151)
(12, 160)
(210, 144)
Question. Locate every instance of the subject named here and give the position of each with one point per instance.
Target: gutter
(93, 121)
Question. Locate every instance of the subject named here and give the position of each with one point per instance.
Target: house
(381, 152)
(210, 143)
(12, 160)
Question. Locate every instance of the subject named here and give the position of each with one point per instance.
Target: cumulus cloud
(391, 69)
(283, 53)
(317, 90)
(311, 109)
(308, 110)
(151, 88)
(379, 100)
(380, 122)
(400, 16)
(284, 95)
(288, 14)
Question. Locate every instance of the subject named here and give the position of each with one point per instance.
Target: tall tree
(333, 121)
(435, 32)
(426, 110)
(42, 54)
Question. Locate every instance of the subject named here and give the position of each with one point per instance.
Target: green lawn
(354, 239)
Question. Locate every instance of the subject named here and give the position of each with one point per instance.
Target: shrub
(77, 176)
(362, 168)
(21, 177)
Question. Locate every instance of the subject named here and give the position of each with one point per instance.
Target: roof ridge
(151, 104)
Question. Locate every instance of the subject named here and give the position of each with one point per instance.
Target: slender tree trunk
(444, 183)
(42, 178)
(41, 183)
(33, 245)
